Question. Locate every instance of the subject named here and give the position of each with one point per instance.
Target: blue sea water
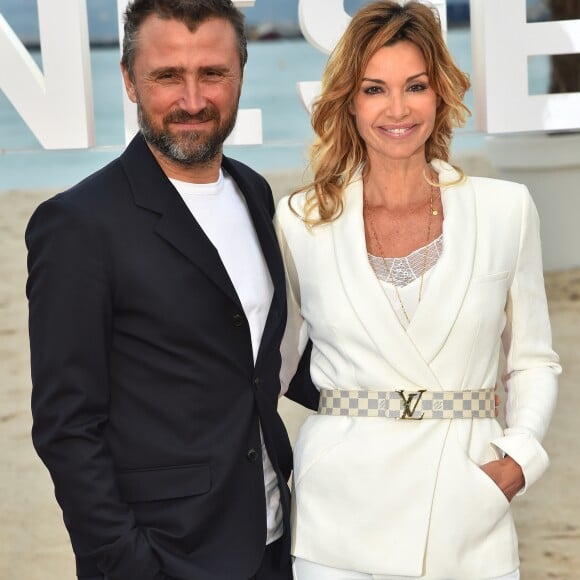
(274, 68)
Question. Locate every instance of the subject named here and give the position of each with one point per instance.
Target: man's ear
(129, 86)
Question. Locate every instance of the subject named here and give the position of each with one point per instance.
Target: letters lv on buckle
(410, 403)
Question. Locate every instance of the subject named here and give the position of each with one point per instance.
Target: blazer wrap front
(408, 497)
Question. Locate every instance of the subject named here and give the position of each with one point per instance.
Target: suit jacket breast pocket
(166, 483)
(493, 277)
(489, 295)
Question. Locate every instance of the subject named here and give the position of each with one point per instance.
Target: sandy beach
(33, 541)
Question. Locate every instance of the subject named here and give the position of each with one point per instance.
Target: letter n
(55, 102)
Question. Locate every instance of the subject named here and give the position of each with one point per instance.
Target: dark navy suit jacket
(146, 400)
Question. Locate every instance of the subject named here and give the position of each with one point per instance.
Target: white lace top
(405, 274)
(403, 271)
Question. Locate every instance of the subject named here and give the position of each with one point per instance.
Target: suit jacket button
(252, 456)
(257, 382)
(238, 319)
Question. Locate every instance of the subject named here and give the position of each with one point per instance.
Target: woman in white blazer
(418, 287)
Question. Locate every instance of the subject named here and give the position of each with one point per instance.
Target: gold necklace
(432, 212)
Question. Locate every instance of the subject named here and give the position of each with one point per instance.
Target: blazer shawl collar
(410, 351)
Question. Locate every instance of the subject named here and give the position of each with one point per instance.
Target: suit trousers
(306, 570)
(269, 568)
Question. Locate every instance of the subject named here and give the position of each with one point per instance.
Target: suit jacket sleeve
(531, 365)
(296, 349)
(70, 316)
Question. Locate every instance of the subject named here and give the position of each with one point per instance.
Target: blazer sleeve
(70, 318)
(532, 367)
(296, 348)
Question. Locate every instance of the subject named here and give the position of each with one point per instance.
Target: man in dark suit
(157, 307)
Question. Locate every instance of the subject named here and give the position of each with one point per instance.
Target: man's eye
(166, 76)
(213, 74)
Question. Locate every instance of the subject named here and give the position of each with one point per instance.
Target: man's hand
(507, 475)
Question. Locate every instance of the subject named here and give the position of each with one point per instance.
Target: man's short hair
(191, 12)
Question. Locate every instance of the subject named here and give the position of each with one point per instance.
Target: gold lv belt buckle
(410, 403)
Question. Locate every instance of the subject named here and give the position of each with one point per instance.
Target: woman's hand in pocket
(507, 475)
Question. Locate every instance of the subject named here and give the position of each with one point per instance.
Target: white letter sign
(56, 104)
(502, 41)
(55, 100)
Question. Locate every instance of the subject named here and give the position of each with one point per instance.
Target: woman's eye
(417, 87)
(372, 90)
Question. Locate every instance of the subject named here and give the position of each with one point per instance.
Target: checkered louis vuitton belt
(410, 405)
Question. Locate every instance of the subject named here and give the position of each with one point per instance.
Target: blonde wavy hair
(338, 150)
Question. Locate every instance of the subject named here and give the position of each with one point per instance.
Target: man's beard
(187, 147)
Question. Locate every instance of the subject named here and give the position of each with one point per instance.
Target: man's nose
(192, 98)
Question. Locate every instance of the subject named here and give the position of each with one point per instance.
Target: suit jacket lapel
(154, 192)
(262, 215)
(441, 303)
(367, 297)
(410, 351)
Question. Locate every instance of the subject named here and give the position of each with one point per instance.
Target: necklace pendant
(434, 212)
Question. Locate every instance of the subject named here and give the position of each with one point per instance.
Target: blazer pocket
(164, 483)
(491, 277)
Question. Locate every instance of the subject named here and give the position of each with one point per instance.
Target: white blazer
(408, 497)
